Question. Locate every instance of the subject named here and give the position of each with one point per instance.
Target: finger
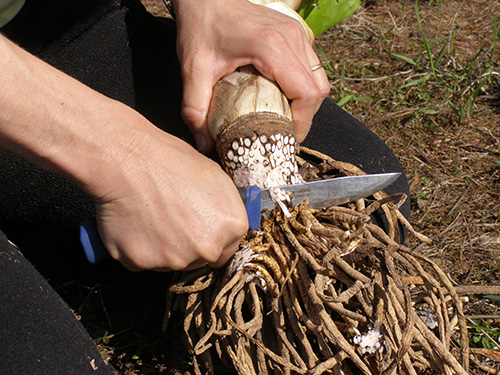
(199, 263)
(197, 92)
(305, 107)
(322, 81)
(320, 78)
(319, 74)
(131, 266)
(135, 267)
(305, 88)
(305, 96)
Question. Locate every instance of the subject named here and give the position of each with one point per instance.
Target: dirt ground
(437, 107)
(452, 163)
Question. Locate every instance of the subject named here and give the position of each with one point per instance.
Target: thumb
(197, 92)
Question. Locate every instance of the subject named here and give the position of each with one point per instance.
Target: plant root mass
(325, 292)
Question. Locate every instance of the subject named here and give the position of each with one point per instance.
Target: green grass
(484, 334)
(459, 87)
(438, 80)
(433, 79)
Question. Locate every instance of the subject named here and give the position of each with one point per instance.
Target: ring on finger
(316, 67)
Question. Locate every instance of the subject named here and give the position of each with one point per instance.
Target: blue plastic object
(253, 206)
(94, 248)
(91, 242)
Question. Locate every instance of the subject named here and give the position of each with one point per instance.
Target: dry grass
(451, 157)
(452, 162)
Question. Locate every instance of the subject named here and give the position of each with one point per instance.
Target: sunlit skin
(210, 46)
(160, 204)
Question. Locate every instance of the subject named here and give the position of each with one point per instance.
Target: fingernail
(201, 142)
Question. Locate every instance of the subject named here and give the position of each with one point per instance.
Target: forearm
(159, 203)
(55, 121)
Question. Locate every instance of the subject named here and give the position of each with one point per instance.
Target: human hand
(160, 204)
(167, 207)
(217, 37)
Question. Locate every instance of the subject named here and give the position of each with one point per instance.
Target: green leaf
(412, 83)
(404, 58)
(416, 82)
(458, 112)
(344, 100)
(320, 15)
(424, 40)
(364, 97)
(100, 334)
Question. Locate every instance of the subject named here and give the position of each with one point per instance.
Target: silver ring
(316, 67)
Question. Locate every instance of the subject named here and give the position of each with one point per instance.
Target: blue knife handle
(91, 242)
(94, 248)
(253, 206)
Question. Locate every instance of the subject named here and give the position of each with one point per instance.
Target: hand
(160, 204)
(216, 37)
(167, 207)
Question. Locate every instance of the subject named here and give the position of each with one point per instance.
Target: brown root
(325, 292)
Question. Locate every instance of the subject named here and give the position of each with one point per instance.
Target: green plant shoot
(320, 15)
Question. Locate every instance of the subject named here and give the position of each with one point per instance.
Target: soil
(452, 162)
(451, 159)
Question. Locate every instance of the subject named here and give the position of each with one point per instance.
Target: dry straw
(324, 292)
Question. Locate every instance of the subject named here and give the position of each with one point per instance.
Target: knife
(323, 193)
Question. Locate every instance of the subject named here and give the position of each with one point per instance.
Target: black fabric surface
(129, 55)
(38, 332)
(126, 55)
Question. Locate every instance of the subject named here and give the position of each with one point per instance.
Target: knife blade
(321, 194)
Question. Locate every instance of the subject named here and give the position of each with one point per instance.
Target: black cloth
(125, 53)
(38, 332)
